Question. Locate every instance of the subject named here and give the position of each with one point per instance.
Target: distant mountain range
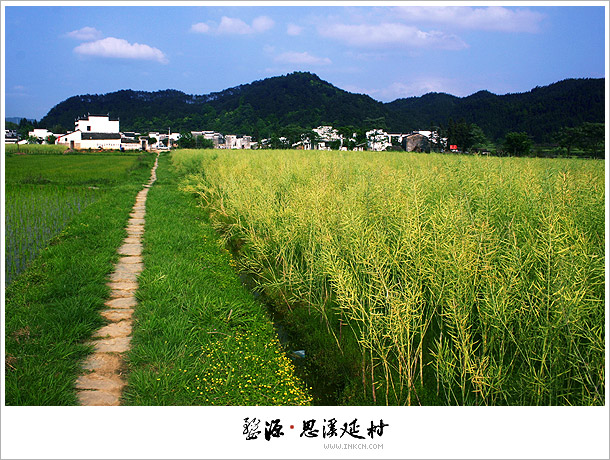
(303, 100)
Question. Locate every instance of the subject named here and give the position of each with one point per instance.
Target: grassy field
(438, 279)
(43, 192)
(52, 307)
(97, 170)
(34, 149)
(199, 336)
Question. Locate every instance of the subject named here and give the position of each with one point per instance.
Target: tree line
(586, 140)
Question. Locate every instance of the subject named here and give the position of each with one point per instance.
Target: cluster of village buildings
(100, 132)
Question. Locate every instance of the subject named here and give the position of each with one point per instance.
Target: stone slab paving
(122, 302)
(136, 230)
(117, 314)
(112, 345)
(123, 286)
(95, 381)
(129, 268)
(124, 276)
(118, 293)
(102, 381)
(133, 249)
(131, 260)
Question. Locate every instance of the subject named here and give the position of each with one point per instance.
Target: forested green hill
(540, 112)
(301, 99)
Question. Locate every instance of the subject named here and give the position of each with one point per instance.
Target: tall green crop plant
(476, 280)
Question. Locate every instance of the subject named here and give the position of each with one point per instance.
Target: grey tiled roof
(100, 136)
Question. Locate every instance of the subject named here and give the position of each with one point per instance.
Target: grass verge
(52, 308)
(199, 336)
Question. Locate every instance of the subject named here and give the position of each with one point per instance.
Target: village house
(133, 141)
(100, 132)
(157, 137)
(304, 144)
(213, 136)
(11, 136)
(41, 134)
(378, 140)
(93, 132)
(237, 142)
(325, 136)
(92, 140)
(163, 140)
(172, 139)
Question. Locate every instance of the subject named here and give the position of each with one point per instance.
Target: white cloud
(293, 29)
(235, 26)
(85, 34)
(262, 23)
(200, 28)
(372, 35)
(119, 48)
(493, 18)
(292, 57)
(417, 86)
(17, 91)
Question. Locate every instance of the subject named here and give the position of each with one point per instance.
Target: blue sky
(387, 51)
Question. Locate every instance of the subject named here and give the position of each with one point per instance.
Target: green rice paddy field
(44, 192)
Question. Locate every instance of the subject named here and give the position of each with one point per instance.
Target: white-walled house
(11, 136)
(100, 132)
(232, 141)
(70, 139)
(327, 133)
(154, 135)
(378, 140)
(90, 140)
(217, 138)
(93, 132)
(42, 134)
(96, 124)
(325, 136)
(130, 143)
(173, 139)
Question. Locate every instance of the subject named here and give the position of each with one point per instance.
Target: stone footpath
(102, 382)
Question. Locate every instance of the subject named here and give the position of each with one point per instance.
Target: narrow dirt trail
(102, 381)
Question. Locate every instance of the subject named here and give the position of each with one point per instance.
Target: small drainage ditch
(325, 389)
